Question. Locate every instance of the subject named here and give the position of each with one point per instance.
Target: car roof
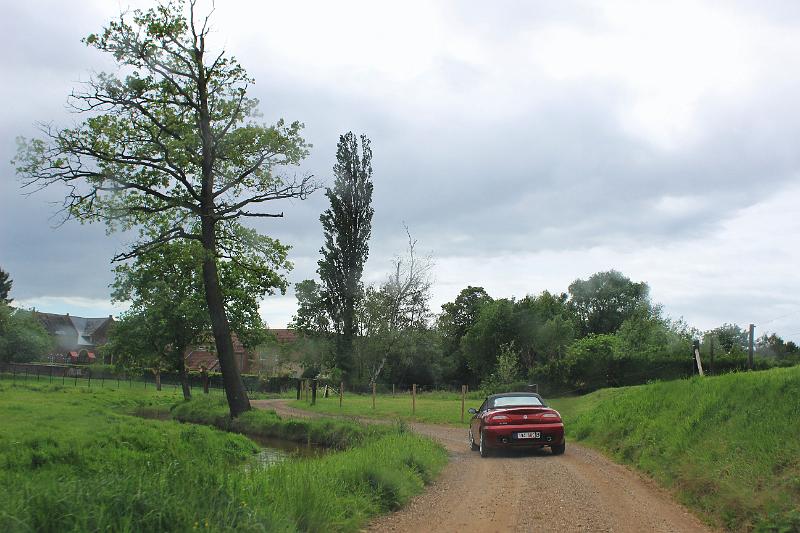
(507, 394)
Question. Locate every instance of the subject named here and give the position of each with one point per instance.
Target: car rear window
(512, 401)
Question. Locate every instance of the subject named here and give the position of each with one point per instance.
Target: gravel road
(529, 491)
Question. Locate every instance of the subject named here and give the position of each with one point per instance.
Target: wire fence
(84, 376)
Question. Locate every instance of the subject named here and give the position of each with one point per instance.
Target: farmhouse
(77, 338)
(205, 356)
(270, 357)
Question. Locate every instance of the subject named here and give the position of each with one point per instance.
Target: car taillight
(550, 415)
(498, 418)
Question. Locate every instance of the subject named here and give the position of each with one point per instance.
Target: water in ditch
(274, 451)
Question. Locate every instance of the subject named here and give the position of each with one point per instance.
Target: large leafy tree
(733, 339)
(347, 226)
(312, 315)
(22, 336)
(494, 327)
(168, 313)
(604, 301)
(454, 322)
(171, 141)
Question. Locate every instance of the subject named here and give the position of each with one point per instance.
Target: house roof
(78, 326)
(57, 324)
(284, 335)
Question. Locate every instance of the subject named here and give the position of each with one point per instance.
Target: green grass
(729, 445)
(431, 407)
(72, 460)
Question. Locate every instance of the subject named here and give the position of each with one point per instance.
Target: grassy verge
(72, 461)
(339, 434)
(728, 445)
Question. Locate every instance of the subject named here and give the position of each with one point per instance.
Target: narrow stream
(276, 450)
(273, 450)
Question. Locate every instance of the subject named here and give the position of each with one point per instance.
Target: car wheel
(482, 446)
(558, 449)
(472, 445)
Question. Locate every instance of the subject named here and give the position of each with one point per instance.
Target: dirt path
(578, 491)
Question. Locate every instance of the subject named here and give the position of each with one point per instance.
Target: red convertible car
(515, 420)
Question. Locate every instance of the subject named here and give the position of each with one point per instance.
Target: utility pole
(750, 347)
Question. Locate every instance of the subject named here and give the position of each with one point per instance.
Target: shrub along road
(579, 491)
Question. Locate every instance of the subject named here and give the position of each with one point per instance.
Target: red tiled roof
(284, 335)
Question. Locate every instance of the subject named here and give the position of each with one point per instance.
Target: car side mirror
(472, 410)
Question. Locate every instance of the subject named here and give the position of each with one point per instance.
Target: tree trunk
(158, 380)
(184, 376)
(238, 402)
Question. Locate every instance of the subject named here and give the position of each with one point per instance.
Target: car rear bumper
(506, 436)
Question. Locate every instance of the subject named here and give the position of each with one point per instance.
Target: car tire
(484, 451)
(472, 445)
(558, 449)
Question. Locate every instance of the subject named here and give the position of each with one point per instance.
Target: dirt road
(578, 491)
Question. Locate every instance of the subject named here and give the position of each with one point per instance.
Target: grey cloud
(559, 175)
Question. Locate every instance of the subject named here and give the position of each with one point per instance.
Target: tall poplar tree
(347, 226)
(171, 144)
(5, 287)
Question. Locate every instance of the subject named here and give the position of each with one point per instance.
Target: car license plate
(529, 435)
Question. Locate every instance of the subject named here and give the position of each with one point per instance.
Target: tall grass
(70, 460)
(729, 445)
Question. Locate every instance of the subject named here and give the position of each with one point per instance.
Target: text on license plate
(529, 435)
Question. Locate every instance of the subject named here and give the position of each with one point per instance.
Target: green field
(74, 459)
(434, 408)
(431, 407)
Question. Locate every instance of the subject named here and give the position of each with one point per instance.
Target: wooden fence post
(414, 399)
(463, 398)
(392, 390)
(696, 354)
(373, 395)
(341, 393)
(314, 392)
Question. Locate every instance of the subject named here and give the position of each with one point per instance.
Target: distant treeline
(604, 331)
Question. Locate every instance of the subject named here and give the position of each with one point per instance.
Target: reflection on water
(278, 450)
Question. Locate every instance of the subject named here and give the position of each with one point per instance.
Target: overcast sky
(524, 144)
